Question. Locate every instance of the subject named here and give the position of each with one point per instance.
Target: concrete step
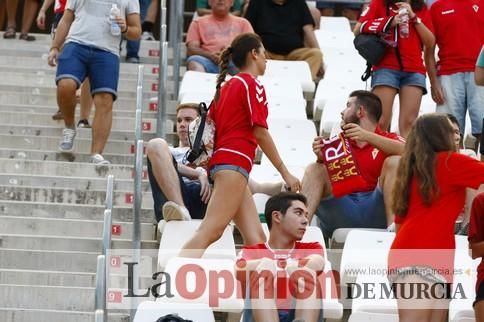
(70, 211)
(31, 315)
(19, 97)
(48, 80)
(54, 128)
(51, 278)
(125, 185)
(69, 228)
(48, 297)
(61, 243)
(66, 195)
(64, 169)
(51, 143)
(119, 123)
(47, 260)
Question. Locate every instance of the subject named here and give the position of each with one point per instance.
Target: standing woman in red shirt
(429, 194)
(401, 69)
(239, 113)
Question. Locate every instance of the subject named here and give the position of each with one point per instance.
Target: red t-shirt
(370, 159)
(410, 48)
(59, 6)
(430, 229)
(476, 231)
(459, 32)
(242, 105)
(301, 250)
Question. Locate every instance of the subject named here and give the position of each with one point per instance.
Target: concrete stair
(52, 203)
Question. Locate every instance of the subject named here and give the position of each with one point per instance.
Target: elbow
(429, 41)
(356, 30)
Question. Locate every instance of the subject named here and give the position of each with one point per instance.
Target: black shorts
(479, 294)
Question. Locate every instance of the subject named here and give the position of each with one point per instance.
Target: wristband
(54, 47)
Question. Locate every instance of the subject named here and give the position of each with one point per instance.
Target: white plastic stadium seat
(335, 24)
(281, 87)
(197, 81)
(298, 70)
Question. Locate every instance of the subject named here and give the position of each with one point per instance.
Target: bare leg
(386, 181)
(86, 100)
(268, 188)
(247, 221)
(227, 195)
(152, 12)
(11, 12)
(165, 174)
(410, 99)
(29, 14)
(479, 311)
(196, 67)
(309, 308)
(103, 118)
(386, 95)
(315, 185)
(264, 308)
(66, 100)
(3, 13)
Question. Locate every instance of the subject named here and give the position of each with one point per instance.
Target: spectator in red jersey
(85, 95)
(240, 117)
(459, 34)
(428, 196)
(401, 70)
(376, 153)
(279, 258)
(476, 245)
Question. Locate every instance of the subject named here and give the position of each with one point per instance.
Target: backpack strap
(197, 146)
(367, 72)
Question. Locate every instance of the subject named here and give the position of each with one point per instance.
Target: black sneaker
(83, 124)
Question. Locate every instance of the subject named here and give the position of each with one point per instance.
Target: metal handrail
(107, 232)
(100, 312)
(109, 192)
(163, 74)
(177, 43)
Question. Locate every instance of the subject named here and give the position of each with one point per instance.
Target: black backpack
(372, 49)
(172, 318)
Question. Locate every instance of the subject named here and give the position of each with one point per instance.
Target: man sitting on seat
(177, 187)
(376, 152)
(283, 257)
(287, 31)
(208, 35)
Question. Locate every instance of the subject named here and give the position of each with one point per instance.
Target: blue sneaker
(67, 144)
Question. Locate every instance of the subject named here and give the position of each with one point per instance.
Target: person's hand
(41, 20)
(205, 189)
(292, 182)
(321, 71)
(402, 5)
(121, 23)
(53, 55)
(395, 21)
(437, 93)
(215, 57)
(355, 132)
(318, 146)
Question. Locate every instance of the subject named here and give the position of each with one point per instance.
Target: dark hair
(237, 52)
(193, 106)
(452, 118)
(431, 133)
(415, 4)
(370, 102)
(281, 202)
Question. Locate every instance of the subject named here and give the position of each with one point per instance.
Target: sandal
(9, 33)
(26, 37)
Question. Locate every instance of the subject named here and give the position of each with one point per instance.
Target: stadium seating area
(52, 204)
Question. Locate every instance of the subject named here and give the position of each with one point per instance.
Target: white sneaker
(146, 35)
(98, 159)
(67, 143)
(173, 211)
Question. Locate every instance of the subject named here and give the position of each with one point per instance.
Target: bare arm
(310, 37)
(60, 36)
(476, 249)
(41, 15)
(199, 174)
(384, 144)
(430, 64)
(267, 145)
(133, 27)
(193, 48)
(479, 75)
(426, 36)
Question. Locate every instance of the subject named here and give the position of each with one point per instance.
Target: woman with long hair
(239, 113)
(428, 195)
(401, 69)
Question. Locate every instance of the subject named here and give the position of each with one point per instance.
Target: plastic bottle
(115, 29)
(404, 28)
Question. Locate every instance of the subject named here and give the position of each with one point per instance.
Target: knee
(103, 101)
(67, 86)
(214, 234)
(155, 147)
(192, 65)
(315, 171)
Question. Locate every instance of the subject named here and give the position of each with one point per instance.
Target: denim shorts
(397, 79)
(461, 95)
(190, 190)
(78, 61)
(356, 210)
(232, 167)
(210, 66)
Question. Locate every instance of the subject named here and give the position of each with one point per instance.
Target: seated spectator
(377, 154)
(281, 258)
(210, 34)
(476, 245)
(28, 16)
(174, 182)
(287, 32)
(350, 10)
(203, 8)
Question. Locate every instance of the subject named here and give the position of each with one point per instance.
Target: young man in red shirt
(280, 260)
(376, 153)
(459, 34)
